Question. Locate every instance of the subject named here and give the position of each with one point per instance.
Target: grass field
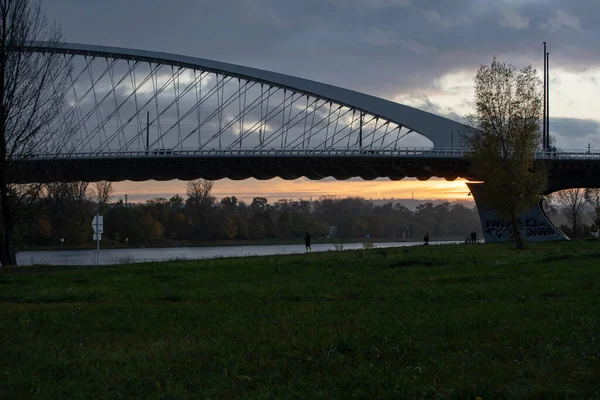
(453, 321)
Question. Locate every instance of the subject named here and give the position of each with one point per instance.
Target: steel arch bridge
(198, 103)
(141, 115)
(176, 116)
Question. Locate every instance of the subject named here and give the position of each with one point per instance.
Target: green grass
(425, 322)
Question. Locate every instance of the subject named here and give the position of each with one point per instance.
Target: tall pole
(148, 129)
(548, 100)
(97, 240)
(360, 130)
(544, 144)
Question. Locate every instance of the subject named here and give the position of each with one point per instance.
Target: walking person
(426, 239)
(307, 241)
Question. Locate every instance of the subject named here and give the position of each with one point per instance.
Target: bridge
(140, 115)
(571, 169)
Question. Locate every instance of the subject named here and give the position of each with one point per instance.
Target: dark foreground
(456, 321)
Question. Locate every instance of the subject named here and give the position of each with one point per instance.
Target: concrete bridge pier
(534, 224)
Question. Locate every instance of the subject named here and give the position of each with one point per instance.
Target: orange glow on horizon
(275, 189)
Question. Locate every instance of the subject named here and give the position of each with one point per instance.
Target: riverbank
(136, 255)
(412, 322)
(224, 243)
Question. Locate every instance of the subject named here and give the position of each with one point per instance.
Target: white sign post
(98, 225)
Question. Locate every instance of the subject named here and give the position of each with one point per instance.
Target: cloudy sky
(422, 53)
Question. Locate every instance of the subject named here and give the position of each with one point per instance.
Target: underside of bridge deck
(564, 174)
(238, 168)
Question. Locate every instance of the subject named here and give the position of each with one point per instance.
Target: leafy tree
(119, 223)
(45, 229)
(32, 90)
(229, 204)
(176, 202)
(153, 229)
(70, 211)
(230, 228)
(241, 221)
(259, 204)
(504, 139)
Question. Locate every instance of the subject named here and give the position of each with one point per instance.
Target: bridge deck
(568, 169)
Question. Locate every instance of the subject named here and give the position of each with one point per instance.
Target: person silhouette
(473, 237)
(426, 238)
(307, 241)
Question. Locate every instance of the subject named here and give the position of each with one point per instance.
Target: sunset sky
(422, 53)
(303, 188)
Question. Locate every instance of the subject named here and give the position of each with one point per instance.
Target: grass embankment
(426, 322)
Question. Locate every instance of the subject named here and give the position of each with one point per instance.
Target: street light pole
(548, 100)
(544, 144)
(147, 130)
(97, 239)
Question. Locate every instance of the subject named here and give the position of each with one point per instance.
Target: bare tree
(32, 90)
(505, 137)
(68, 191)
(200, 197)
(103, 190)
(549, 203)
(571, 201)
(592, 196)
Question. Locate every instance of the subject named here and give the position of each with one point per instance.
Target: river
(132, 255)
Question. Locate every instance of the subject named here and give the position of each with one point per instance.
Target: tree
(152, 229)
(32, 90)
(592, 196)
(103, 190)
(176, 202)
(504, 139)
(229, 204)
(572, 201)
(69, 210)
(229, 227)
(200, 200)
(259, 204)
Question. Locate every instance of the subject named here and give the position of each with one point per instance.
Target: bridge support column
(534, 224)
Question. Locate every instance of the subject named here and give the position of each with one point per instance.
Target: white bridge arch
(123, 100)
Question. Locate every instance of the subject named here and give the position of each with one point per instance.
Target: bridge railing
(273, 152)
(420, 152)
(568, 155)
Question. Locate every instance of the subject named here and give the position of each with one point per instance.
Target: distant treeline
(67, 209)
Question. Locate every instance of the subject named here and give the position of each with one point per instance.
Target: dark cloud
(335, 38)
(574, 133)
